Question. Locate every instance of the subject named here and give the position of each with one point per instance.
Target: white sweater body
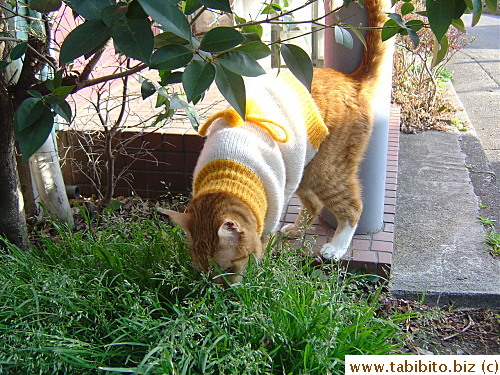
(279, 166)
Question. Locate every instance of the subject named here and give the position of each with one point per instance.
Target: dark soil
(447, 330)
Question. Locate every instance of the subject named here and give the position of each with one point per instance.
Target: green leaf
(135, 11)
(492, 6)
(240, 63)
(113, 13)
(63, 109)
(18, 51)
(477, 10)
(177, 102)
(412, 27)
(168, 15)
(257, 29)
(460, 8)
(251, 37)
(389, 29)
(55, 82)
(59, 106)
(167, 38)
(396, 18)
(459, 24)
(171, 57)
(258, 50)
(63, 91)
(272, 8)
(344, 37)
(405, 28)
(28, 112)
(35, 94)
(299, 63)
(134, 39)
(415, 25)
(232, 88)
(407, 8)
(193, 117)
(148, 88)
(198, 99)
(4, 64)
(196, 78)
(440, 14)
(218, 4)
(439, 51)
(89, 36)
(191, 6)
(90, 9)
(162, 98)
(358, 34)
(170, 78)
(239, 20)
(220, 39)
(45, 6)
(33, 137)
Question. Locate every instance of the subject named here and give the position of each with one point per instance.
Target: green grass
(123, 299)
(493, 240)
(487, 222)
(492, 237)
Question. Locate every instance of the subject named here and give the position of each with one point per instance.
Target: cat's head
(222, 235)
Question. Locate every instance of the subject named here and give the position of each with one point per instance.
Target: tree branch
(203, 9)
(91, 64)
(91, 82)
(17, 40)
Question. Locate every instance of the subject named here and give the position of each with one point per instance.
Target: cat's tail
(369, 69)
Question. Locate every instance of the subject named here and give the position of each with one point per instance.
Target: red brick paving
(371, 252)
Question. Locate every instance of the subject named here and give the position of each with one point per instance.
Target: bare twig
(469, 325)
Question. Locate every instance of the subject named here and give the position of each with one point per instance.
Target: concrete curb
(439, 251)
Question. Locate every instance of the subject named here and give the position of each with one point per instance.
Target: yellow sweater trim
(316, 128)
(253, 114)
(227, 176)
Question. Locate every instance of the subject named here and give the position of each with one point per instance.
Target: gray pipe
(72, 191)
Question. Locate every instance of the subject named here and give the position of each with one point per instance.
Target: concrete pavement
(476, 75)
(447, 180)
(477, 81)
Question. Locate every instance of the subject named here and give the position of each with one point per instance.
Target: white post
(48, 182)
(373, 168)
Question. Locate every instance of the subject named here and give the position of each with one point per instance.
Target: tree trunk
(12, 219)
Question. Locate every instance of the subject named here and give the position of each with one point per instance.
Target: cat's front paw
(331, 251)
(290, 229)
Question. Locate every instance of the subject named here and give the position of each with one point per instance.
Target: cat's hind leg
(340, 242)
(311, 206)
(344, 201)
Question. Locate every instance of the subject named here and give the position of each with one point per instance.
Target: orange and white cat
(291, 141)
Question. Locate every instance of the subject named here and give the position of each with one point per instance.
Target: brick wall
(155, 161)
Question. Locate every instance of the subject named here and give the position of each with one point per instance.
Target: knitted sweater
(261, 160)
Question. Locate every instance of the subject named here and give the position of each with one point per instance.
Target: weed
(459, 125)
(492, 237)
(418, 87)
(493, 240)
(485, 221)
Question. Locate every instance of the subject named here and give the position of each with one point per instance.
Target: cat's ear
(181, 219)
(230, 232)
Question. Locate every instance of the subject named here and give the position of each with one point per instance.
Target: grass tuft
(123, 299)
